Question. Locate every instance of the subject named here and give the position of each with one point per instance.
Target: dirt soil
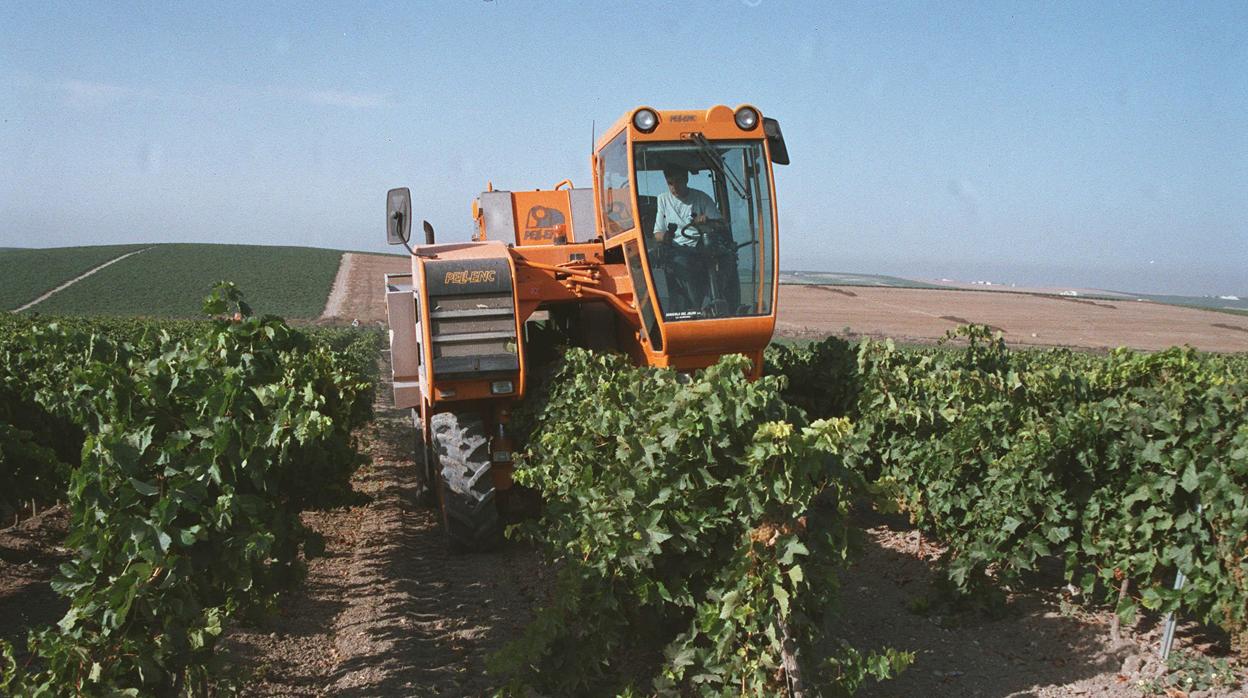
(924, 315)
(389, 610)
(358, 292)
(338, 293)
(918, 315)
(1041, 646)
(29, 554)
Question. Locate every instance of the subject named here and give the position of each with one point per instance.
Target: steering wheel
(701, 230)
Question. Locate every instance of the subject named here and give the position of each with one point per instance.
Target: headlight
(746, 118)
(645, 120)
(502, 387)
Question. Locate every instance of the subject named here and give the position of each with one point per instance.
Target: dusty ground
(338, 293)
(1039, 647)
(390, 611)
(358, 292)
(29, 554)
(922, 315)
(925, 314)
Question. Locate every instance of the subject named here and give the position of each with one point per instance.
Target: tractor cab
(689, 197)
(704, 214)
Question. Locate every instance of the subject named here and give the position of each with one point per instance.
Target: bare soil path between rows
(29, 555)
(1040, 646)
(338, 293)
(389, 610)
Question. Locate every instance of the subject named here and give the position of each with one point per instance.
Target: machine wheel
(426, 473)
(466, 486)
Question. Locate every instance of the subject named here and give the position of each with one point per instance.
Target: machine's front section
(466, 322)
(689, 197)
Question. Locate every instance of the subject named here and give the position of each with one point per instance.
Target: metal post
(1167, 637)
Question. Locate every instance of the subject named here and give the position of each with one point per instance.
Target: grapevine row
(200, 445)
(1127, 467)
(701, 517)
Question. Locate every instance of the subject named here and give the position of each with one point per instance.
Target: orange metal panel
(468, 390)
(464, 250)
(542, 216)
(716, 122)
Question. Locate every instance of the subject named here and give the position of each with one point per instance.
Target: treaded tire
(426, 474)
(466, 488)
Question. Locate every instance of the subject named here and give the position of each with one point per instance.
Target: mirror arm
(397, 217)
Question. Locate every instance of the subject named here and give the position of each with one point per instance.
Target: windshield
(705, 211)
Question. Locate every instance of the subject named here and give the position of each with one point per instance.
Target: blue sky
(1038, 143)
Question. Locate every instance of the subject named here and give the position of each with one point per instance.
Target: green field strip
(830, 278)
(26, 274)
(172, 281)
(1234, 304)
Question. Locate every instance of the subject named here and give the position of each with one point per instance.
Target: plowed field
(920, 315)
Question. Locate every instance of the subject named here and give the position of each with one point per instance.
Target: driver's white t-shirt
(682, 211)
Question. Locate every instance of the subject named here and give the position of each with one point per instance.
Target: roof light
(746, 118)
(645, 120)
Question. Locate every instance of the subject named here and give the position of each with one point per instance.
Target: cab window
(617, 205)
(705, 209)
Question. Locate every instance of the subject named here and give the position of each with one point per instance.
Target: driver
(680, 206)
(677, 208)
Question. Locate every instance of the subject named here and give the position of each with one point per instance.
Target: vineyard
(167, 280)
(27, 273)
(185, 453)
(695, 528)
(714, 513)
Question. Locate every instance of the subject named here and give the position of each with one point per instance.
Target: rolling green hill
(171, 281)
(26, 274)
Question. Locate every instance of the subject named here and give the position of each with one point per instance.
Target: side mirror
(775, 141)
(398, 216)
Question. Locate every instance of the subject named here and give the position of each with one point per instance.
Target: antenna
(593, 135)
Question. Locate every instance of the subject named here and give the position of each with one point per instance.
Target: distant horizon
(1158, 278)
(998, 274)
